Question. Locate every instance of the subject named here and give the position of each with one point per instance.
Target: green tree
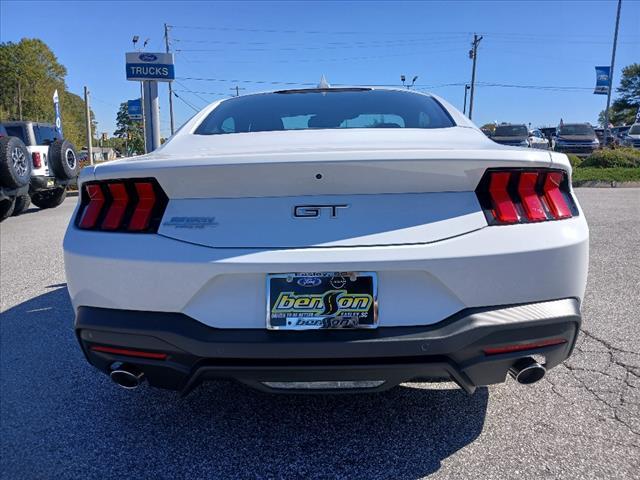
(626, 105)
(30, 74)
(129, 130)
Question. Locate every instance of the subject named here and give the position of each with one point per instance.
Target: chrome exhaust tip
(127, 376)
(527, 371)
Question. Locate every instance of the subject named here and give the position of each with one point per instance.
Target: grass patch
(615, 174)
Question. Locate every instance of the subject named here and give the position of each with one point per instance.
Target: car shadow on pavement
(60, 417)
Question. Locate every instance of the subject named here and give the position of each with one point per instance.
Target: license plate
(327, 300)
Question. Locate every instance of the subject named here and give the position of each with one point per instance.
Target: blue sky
(525, 43)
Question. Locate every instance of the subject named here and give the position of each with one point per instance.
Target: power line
(340, 59)
(262, 46)
(308, 32)
(185, 102)
(420, 86)
(192, 92)
(378, 32)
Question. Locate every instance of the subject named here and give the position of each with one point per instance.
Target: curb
(604, 184)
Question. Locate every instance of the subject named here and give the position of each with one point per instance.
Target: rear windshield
(325, 109)
(577, 129)
(511, 131)
(634, 130)
(45, 135)
(17, 132)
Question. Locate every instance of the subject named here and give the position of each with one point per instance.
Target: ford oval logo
(148, 57)
(309, 281)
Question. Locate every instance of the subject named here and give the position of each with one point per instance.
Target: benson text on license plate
(326, 300)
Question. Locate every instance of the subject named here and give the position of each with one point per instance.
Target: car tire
(6, 208)
(22, 203)
(15, 163)
(63, 160)
(49, 198)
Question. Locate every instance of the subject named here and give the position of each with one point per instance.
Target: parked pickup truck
(53, 160)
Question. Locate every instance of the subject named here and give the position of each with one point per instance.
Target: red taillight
(517, 195)
(530, 200)
(119, 201)
(133, 205)
(524, 346)
(503, 207)
(129, 353)
(554, 197)
(37, 159)
(142, 212)
(91, 211)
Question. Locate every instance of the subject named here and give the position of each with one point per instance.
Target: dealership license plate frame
(355, 285)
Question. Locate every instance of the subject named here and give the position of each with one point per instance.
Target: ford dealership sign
(150, 66)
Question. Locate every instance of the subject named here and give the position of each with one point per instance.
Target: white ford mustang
(330, 238)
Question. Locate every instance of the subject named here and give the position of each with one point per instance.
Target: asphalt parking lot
(61, 419)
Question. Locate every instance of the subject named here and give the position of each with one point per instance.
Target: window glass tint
(635, 129)
(576, 129)
(314, 109)
(17, 132)
(511, 131)
(45, 135)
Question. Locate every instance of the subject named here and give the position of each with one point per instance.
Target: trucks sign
(150, 66)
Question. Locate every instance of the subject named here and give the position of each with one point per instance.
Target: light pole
(613, 61)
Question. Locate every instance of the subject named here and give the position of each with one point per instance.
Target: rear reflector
(128, 205)
(37, 159)
(129, 353)
(518, 195)
(524, 346)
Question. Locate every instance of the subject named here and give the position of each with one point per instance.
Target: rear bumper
(42, 182)
(577, 149)
(452, 349)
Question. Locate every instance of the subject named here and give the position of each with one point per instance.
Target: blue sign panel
(150, 66)
(602, 80)
(56, 109)
(134, 109)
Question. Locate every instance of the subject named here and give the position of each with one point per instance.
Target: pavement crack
(624, 383)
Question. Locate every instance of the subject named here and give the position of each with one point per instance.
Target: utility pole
(166, 44)
(613, 61)
(19, 101)
(87, 112)
(473, 55)
(466, 89)
(144, 119)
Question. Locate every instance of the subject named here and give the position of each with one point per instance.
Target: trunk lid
(323, 188)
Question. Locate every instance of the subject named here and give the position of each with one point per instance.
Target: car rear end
(513, 135)
(577, 138)
(320, 256)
